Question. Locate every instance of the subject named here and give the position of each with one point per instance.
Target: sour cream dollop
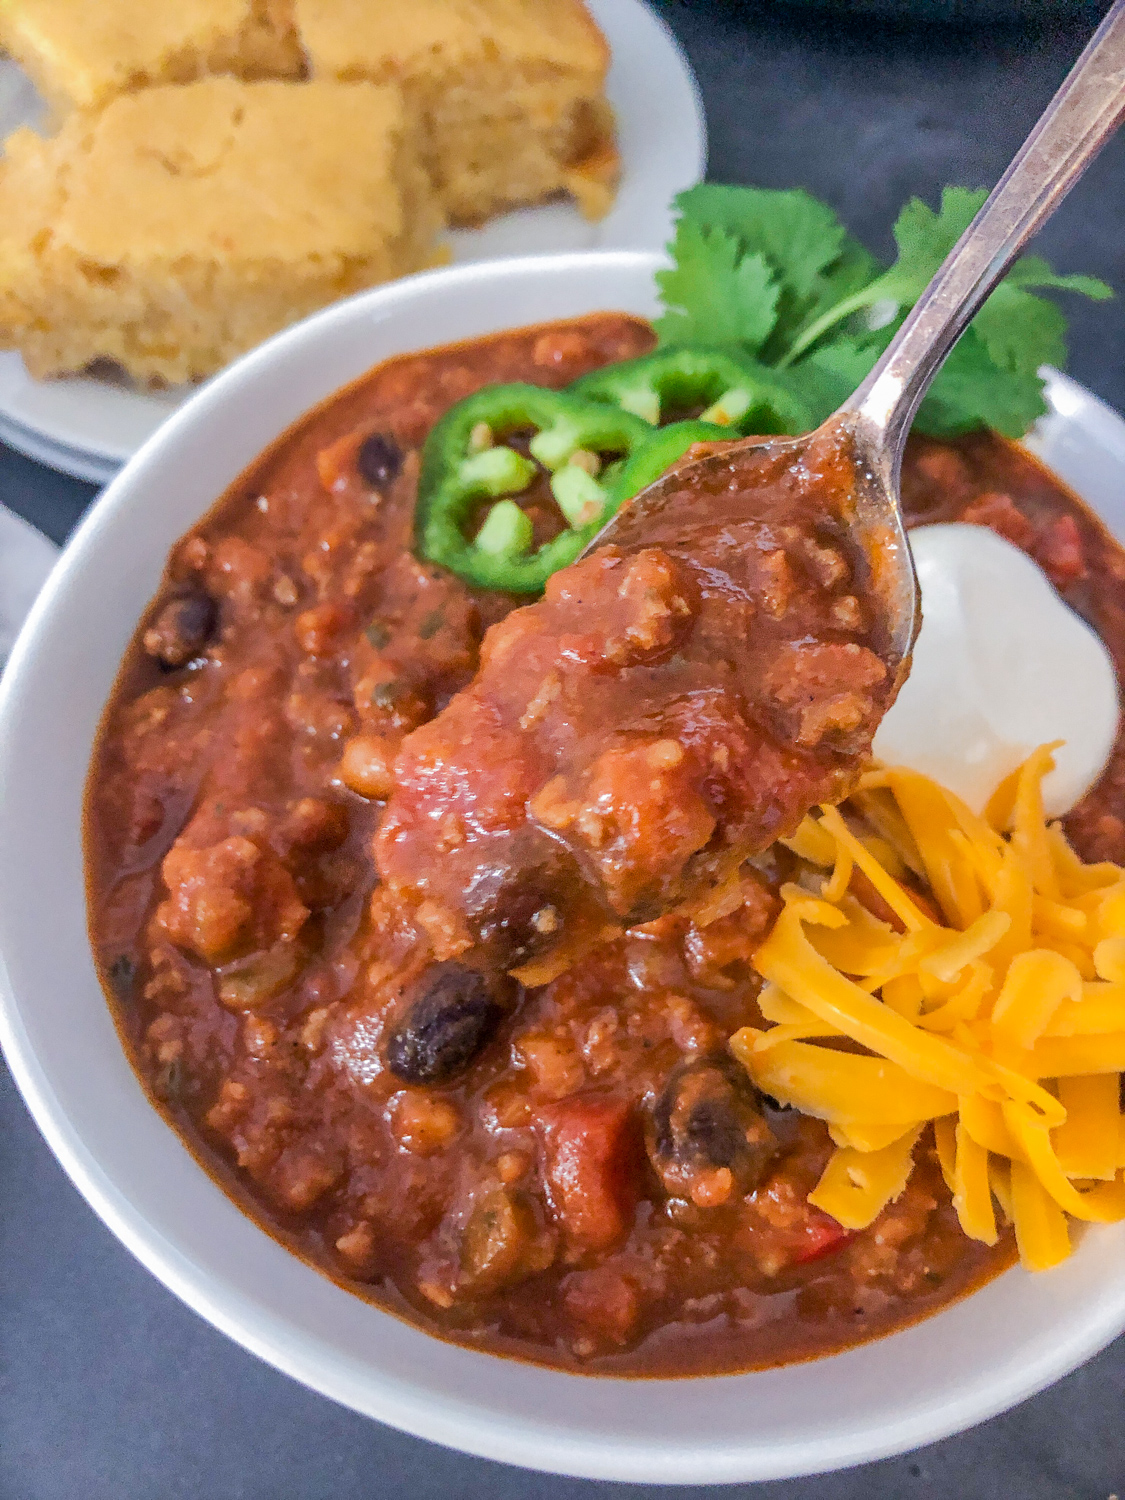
(1001, 665)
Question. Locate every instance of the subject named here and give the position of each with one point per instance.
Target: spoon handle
(1072, 130)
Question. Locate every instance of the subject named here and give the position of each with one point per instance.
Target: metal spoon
(876, 420)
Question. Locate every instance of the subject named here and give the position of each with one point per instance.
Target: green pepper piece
(456, 477)
(736, 392)
(579, 496)
(506, 531)
(665, 447)
(496, 471)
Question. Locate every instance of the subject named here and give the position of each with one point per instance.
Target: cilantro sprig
(776, 276)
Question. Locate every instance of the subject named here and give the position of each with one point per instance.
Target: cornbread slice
(80, 53)
(184, 224)
(510, 92)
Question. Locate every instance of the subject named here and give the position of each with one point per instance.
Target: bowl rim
(558, 1448)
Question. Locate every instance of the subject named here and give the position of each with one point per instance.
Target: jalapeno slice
(666, 446)
(731, 391)
(465, 462)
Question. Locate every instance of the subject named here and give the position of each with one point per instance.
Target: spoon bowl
(870, 429)
(870, 510)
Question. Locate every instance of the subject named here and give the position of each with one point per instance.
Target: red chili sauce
(574, 1173)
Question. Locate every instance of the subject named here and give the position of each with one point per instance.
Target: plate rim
(53, 444)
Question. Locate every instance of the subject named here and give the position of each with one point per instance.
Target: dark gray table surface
(110, 1389)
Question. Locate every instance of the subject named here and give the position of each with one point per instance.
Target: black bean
(448, 1021)
(181, 629)
(709, 1115)
(379, 460)
(514, 920)
(122, 974)
(710, 1134)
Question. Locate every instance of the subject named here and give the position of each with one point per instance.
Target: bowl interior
(970, 1361)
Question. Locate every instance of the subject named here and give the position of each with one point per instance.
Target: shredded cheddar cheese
(980, 966)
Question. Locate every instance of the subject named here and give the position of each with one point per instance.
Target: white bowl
(972, 1360)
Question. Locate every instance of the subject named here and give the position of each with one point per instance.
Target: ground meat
(227, 899)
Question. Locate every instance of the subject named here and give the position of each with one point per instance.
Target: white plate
(983, 1354)
(56, 455)
(90, 427)
(26, 557)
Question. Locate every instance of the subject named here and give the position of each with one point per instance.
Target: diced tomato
(784, 1229)
(592, 1147)
(823, 1236)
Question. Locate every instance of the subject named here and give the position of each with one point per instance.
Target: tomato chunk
(822, 1237)
(592, 1149)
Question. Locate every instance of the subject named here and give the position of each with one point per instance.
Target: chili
(567, 1172)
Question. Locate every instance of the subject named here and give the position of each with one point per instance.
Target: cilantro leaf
(776, 275)
(1021, 331)
(814, 261)
(1033, 270)
(853, 268)
(971, 390)
(715, 294)
(924, 238)
(828, 376)
(794, 232)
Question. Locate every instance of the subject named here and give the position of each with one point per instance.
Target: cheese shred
(986, 996)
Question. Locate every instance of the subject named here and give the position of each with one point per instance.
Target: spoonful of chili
(867, 435)
(719, 659)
